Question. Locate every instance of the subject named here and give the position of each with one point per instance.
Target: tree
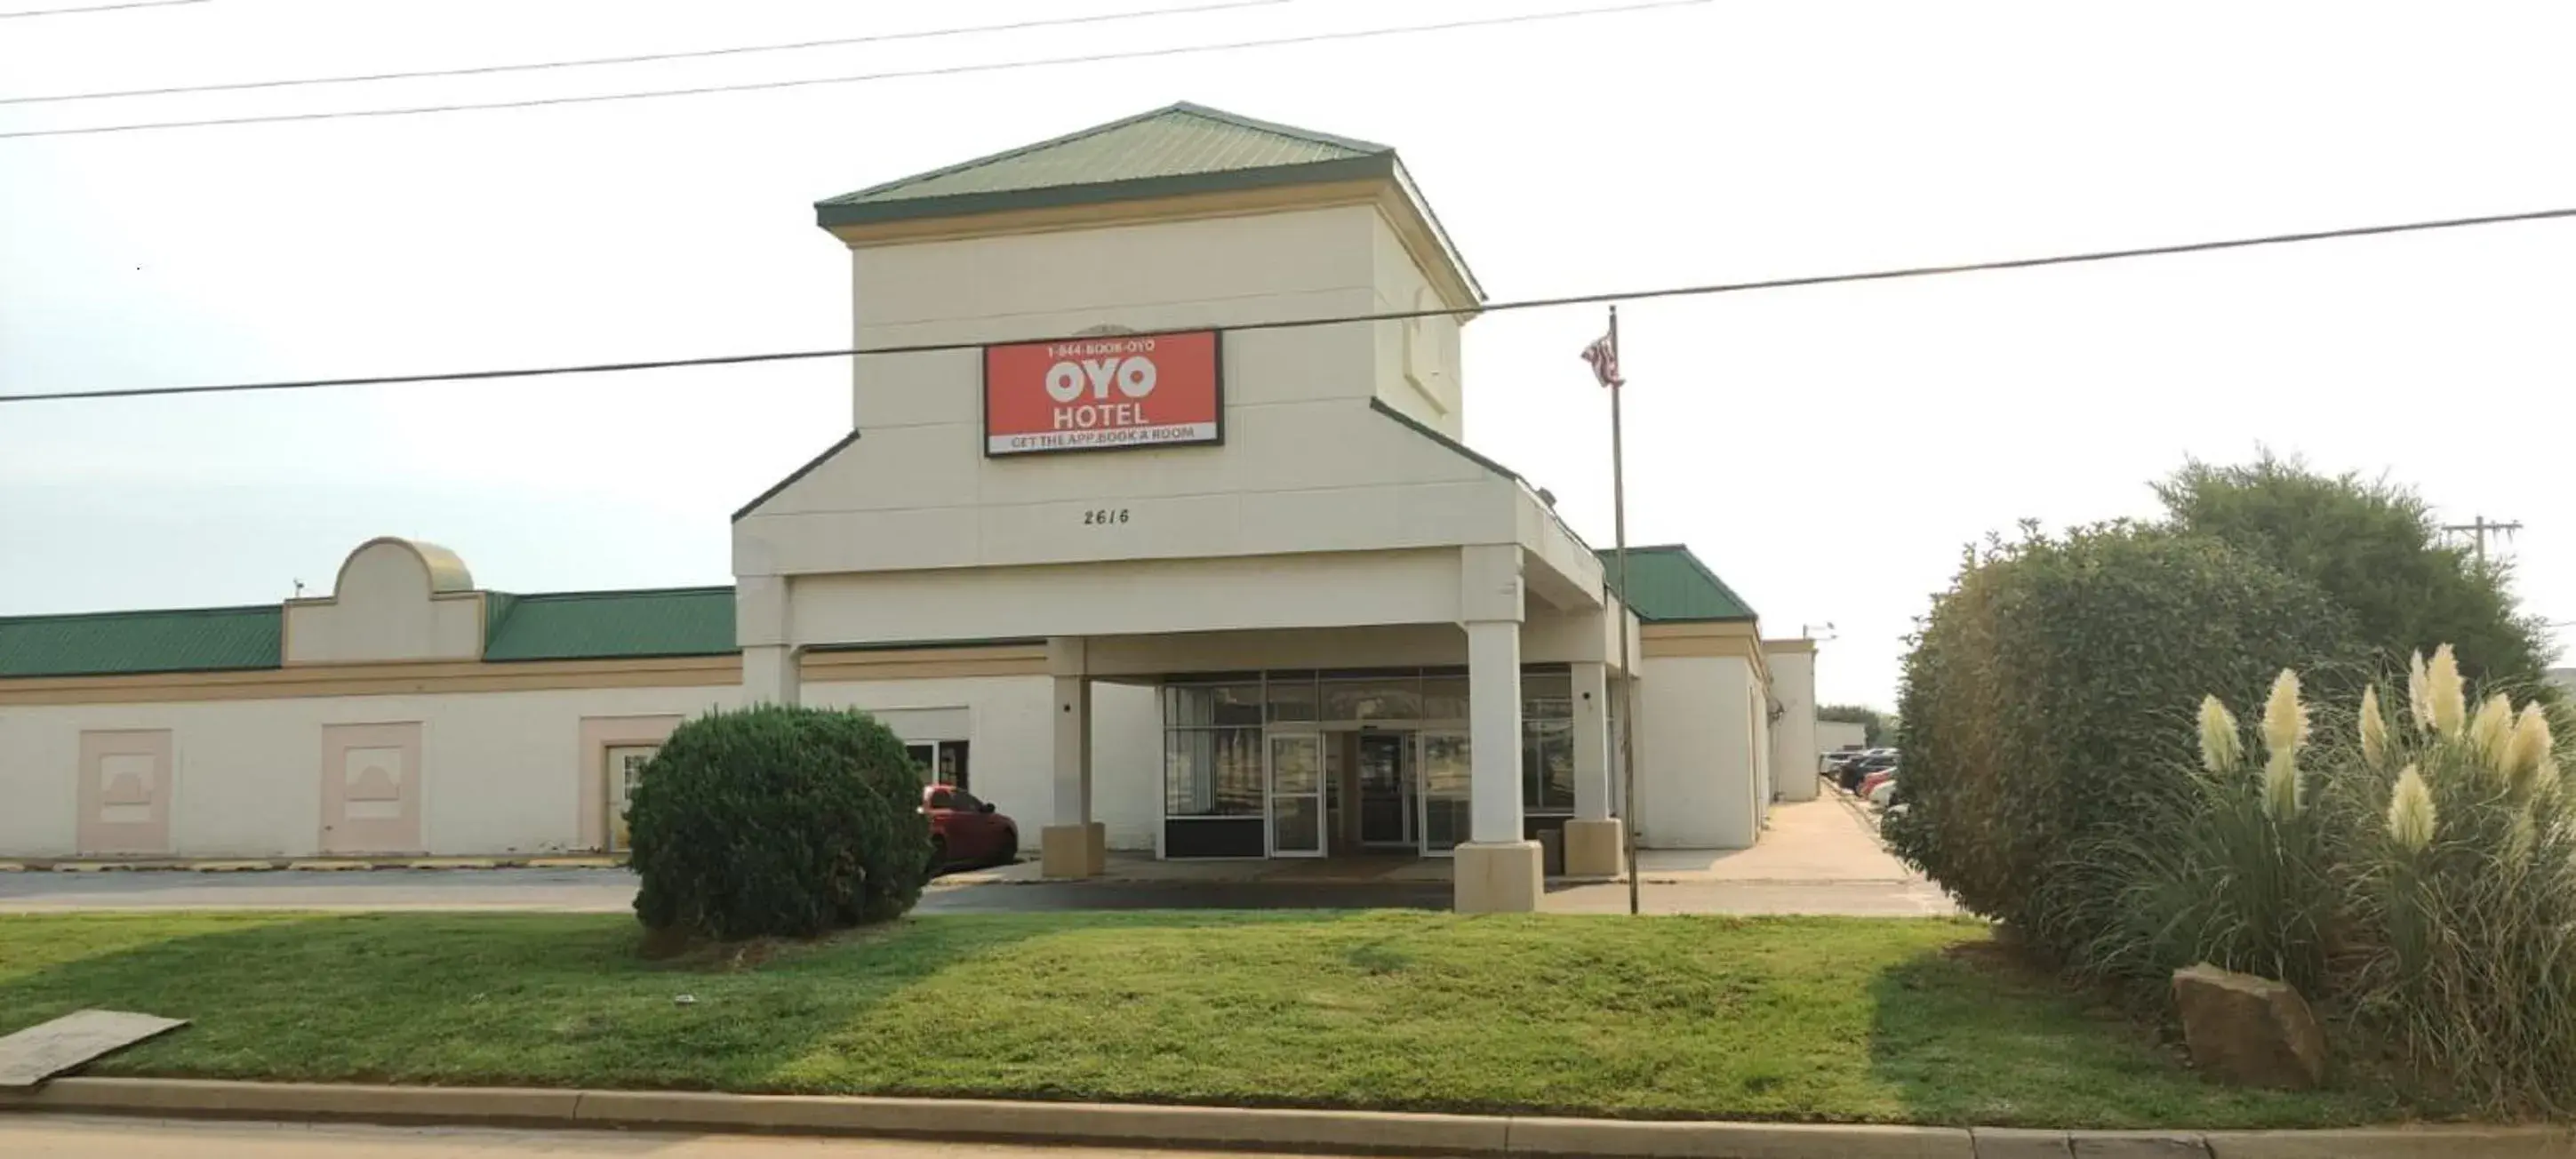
(2373, 548)
(1876, 726)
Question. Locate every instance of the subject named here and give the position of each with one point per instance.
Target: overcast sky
(1827, 450)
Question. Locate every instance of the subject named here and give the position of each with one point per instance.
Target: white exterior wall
(1759, 791)
(1306, 465)
(1417, 357)
(1011, 743)
(1700, 734)
(1836, 735)
(501, 771)
(385, 605)
(1793, 739)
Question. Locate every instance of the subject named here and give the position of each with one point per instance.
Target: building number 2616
(1100, 516)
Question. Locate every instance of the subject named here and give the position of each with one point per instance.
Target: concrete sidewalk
(1212, 1128)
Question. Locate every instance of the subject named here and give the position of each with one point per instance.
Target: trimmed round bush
(2048, 700)
(777, 821)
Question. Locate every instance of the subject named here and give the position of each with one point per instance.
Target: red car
(1871, 782)
(966, 831)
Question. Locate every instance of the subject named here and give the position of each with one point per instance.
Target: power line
(856, 78)
(642, 58)
(1387, 316)
(97, 8)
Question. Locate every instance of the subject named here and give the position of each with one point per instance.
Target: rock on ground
(2249, 1030)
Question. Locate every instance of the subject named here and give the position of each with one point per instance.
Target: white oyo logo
(1133, 375)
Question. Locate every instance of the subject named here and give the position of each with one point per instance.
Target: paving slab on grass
(49, 1048)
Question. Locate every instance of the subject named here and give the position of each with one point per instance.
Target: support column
(760, 624)
(1592, 838)
(1074, 845)
(769, 675)
(1497, 869)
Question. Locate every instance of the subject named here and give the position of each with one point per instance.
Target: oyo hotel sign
(1108, 393)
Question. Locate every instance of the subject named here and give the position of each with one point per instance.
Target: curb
(1235, 1128)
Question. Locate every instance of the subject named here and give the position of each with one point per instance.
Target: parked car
(1852, 773)
(1876, 778)
(965, 830)
(1883, 793)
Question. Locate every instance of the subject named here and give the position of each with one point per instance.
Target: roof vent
(1546, 496)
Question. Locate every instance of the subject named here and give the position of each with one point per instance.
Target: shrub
(2435, 899)
(2227, 864)
(777, 821)
(2373, 548)
(2035, 707)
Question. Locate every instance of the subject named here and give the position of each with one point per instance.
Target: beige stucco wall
(387, 605)
(1793, 738)
(500, 772)
(1833, 735)
(515, 772)
(1700, 736)
(1307, 464)
(1118, 598)
(1417, 357)
(1008, 727)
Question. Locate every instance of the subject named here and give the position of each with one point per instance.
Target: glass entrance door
(1445, 783)
(1388, 817)
(1296, 794)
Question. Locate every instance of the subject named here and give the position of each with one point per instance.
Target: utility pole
(2477, 527)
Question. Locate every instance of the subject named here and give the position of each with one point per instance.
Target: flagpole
(1627, 672)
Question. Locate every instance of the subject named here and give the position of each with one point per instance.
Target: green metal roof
(1178, 149)
(124, 643)
(599, 625)
(552, 626)
(1667, 583)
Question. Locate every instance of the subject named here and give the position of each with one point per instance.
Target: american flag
(1604, 357)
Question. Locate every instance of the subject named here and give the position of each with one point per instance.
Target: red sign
(1097, 394)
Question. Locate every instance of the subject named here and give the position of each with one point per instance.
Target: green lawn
(1828, 1019)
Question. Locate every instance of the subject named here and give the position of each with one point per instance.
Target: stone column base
(1595, 848)
(1498, 877)
(1073, 850)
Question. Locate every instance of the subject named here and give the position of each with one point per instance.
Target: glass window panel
(1292, 698)
(1238, 704)
(1187, 705)
(1445, 780)
(1547, 765)
(1212, 772)
(1293, 762)
(1296, 825)
(1444, 698)
(1200, 705)
(1547, 696)
(1378, 698)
